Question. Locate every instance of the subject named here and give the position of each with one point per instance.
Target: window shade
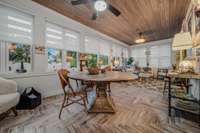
(105, 48)
(71, 40)
(15, 26)
(91, 45)
(160, 56)
(117, 51)
(139, 56)
(54, 36)
(125, 53)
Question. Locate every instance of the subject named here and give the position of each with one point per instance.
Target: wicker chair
(71, 95)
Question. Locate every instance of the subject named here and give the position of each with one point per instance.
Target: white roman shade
(125, 52)
(15, 26)
(71, 40)
(91, 45)
(182, 41)
(138, 53)
(160, 56)
(105, 48)
(154, 56)
(117, 50)
(54, 36)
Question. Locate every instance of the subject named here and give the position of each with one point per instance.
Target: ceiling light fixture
(140, 39)
(100, 5)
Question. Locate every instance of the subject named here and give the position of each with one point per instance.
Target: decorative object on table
(40, 50)
(20, 53)
(92, 65)
(186, 66)
(29, 99)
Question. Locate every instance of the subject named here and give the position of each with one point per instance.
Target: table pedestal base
(103, 103)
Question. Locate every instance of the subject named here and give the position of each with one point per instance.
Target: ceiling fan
(99, 6)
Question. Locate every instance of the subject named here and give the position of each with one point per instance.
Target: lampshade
(182, 41)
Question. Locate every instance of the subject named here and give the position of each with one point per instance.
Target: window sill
(26, 75)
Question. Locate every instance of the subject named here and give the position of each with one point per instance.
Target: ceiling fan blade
(149, 32)
(94, 16)
(78, 2)
(115, 11)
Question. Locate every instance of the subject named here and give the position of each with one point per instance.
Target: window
(54, 59)
(117, 51)
(16, 38)
(71, 59)
(54, 36)
(159, 56)
(19, 59)
(139, 56)
(71, 40)
(91, 45)
(104, 48)
(103, 60)
(58, 38)
(15, 26)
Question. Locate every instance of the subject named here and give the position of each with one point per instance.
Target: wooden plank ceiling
(162, 17)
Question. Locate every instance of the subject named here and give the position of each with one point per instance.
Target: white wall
(43, 81)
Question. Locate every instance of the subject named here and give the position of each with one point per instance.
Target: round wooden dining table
(103, 102)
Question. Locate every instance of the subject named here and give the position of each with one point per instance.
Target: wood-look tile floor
(141, 108)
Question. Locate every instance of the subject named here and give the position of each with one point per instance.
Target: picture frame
(40, 50)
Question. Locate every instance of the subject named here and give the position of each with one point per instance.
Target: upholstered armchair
(9, 97)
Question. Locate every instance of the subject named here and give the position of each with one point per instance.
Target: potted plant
(20, 54)
(130, 61)
(92, 65)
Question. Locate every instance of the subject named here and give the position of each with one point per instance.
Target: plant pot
(93, 70)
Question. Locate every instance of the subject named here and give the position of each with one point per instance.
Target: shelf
(184, 97)
(186, 106)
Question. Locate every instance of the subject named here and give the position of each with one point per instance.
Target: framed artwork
(40, 50)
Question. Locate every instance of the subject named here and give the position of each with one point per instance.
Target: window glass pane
(54, 59)
(71, 59)
(19, 59)
(92, 60)
(103, 60)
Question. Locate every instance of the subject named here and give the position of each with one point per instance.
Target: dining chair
(71, 95)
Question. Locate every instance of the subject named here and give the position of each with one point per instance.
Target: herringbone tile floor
(141, 108)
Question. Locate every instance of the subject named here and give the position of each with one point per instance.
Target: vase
(93, 70)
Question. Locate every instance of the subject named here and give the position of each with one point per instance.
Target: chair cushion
(7, 86)
(8, 101)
